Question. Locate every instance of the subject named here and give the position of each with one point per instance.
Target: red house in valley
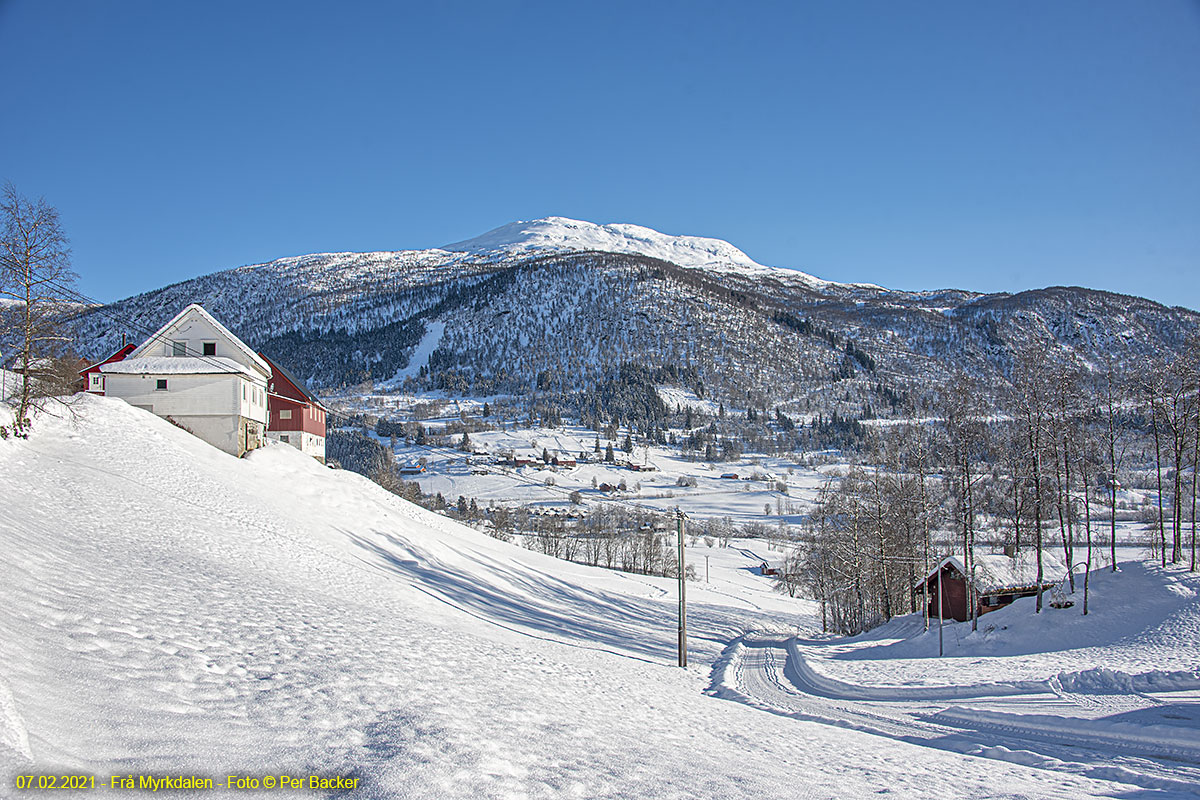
(93, 378)
(294, 414)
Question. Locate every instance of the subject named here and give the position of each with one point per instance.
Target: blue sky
(993, 146)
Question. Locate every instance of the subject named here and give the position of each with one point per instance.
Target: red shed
(998, 580)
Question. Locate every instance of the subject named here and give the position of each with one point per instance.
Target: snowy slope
(559, 234)
(563, 235)
(165, 607)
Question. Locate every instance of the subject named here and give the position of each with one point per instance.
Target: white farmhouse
(197, 374)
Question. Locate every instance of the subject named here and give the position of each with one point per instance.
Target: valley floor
(168, 609)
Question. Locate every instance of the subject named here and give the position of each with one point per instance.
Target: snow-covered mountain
(561, 235)
(551, 306)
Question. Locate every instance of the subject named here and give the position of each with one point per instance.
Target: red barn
(92, 378)
(294, 414)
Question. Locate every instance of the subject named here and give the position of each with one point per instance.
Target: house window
(96, 379)
(179, 348)
(285, 413)
(161, 385)
(283, 437)
(210, 348)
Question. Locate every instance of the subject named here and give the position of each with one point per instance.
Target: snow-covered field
(168, 609)
(752, 496)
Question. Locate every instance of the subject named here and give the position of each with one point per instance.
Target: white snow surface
(560, 234)
(175, 365)
(167, 608)
(420, 355)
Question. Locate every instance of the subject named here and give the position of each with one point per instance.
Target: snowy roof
(176, 365)
(995, 573)
(117, 356)
(162, 334)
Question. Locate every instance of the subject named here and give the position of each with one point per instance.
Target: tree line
(1038, 465)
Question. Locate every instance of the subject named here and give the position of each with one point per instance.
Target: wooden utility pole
(941, 612)
(682, 593)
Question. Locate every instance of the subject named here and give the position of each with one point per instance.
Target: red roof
(287, 385)
(117, 356)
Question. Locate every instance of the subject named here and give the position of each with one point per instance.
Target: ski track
(768, 671)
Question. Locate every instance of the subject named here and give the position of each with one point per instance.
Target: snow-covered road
(1033, 723)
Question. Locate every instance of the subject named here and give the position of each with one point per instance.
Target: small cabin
(998, 581)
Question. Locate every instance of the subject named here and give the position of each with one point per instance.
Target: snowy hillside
(562, 235)
(166, 608)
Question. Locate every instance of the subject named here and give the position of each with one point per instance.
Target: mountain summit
(560, 235)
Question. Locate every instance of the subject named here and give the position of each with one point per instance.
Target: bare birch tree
(35, 271)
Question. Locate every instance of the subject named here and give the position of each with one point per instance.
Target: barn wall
(956, 597)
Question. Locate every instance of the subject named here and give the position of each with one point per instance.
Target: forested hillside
(552, 324)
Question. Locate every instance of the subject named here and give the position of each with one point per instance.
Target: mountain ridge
(525, 314)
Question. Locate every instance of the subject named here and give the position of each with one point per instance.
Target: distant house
(412, 468)
(565, 460)
(92, 379)
(294, 414)
(730, 476)
(998, 581)
(197, 374)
